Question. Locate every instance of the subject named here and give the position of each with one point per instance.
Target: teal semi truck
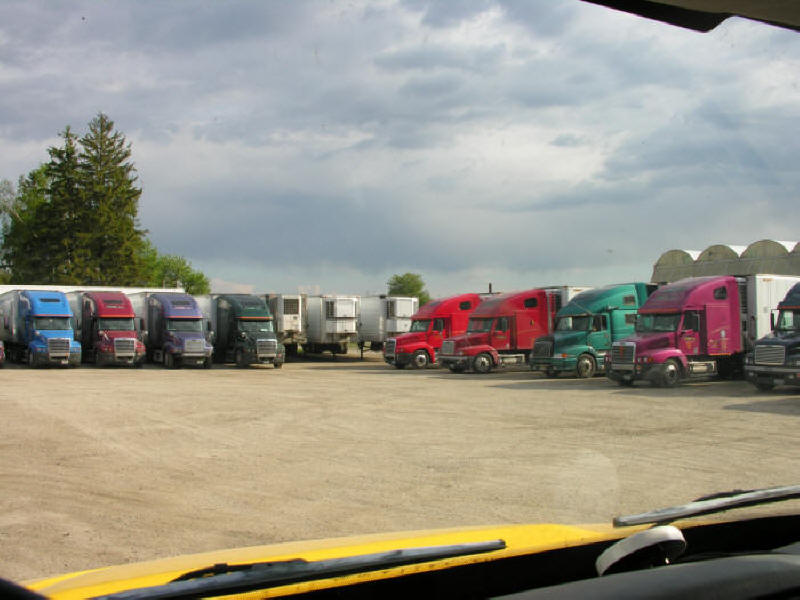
(586, 327)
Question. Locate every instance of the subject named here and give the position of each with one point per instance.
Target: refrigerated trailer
(290, 312)
(382, 317)
(332, 323)
(697, 326)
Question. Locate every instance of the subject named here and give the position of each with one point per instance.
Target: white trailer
(290, 312)
(382, 317)
(332, 323)
(759, 295)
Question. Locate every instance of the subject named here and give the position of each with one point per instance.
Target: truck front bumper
(110, 358)
(455, 360)
(775, 375)
(401, 359)
(632, 372)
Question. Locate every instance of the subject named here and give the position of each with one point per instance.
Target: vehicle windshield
(185, 325)
(652, 323)
(479, 325)
(255, 326)
(108, 324)
(788, 320)
(52, 323)
(574, 323)
(420, 324)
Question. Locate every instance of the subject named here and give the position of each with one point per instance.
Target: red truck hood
(652, 341)
(469, 339)
(410, 338)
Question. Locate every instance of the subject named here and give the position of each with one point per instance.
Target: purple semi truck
(173, 328)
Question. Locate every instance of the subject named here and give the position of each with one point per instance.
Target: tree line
(74, 220)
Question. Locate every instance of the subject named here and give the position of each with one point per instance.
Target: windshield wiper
(712, 504)
(223, 579)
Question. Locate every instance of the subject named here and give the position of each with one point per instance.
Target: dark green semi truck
(244, 331)
(586, 327)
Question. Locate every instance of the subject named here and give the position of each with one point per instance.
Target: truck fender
(472, 351)
(668, 353)
(411, 348)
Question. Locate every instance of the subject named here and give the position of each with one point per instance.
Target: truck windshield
(185, 325)
(420, 325)
(574, 323)
(51, 323)
(652, 323)
(260, 326)
(115, 324)
(788, 320)
(479, 325)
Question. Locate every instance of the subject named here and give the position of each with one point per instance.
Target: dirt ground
(106, 466)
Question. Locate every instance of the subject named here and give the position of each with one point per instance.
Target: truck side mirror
(772, 321)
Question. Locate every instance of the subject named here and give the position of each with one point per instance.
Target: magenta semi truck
(435, 321)
(697, 326)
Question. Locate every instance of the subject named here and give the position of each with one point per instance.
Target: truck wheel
(456, 368)
(277, 365)
(586, 366)
(764, 386)
(169, 361)
(625, 382)
(482, 363)
(670, 373)
(419, 360)
(240, 359)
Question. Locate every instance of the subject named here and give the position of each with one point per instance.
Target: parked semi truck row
(502, 329)
(697, 326)
(586, 327)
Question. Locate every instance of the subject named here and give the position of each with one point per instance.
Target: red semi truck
(697, 326)
(106, 328)
(437, 320)
(503, 328)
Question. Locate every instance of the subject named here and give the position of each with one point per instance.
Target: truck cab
(175, 332)
(586, 327)
(435, 321)
(775, 359)
(106, 328)
(502, 329)
(244, 331)
(38, 328)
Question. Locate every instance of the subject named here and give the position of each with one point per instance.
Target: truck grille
(124, 347)
(448, 347)
(58, 347)
(623, 353)
(195, 346)
(543, 348)
(389, 348)
(770, 355)
(267, 347)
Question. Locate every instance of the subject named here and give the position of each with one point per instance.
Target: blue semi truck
(37, 327)
(173, 329)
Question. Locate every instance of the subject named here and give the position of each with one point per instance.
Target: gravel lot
(105, 466)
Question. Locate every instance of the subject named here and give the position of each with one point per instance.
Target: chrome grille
(770, 355)
(124, 347)
(267, 347)
(58, 347)
(389, 348)
(623, 353)
(194, 346)
(543, 348)
(448, 347)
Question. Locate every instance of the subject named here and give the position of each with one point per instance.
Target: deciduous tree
(408, 284)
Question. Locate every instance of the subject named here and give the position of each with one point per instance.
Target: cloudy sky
(328, 145)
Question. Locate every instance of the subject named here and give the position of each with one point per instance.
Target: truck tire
(670, 373)
(169, 360)
(586, 366)
(277, 365)
(398, 366)
(420, 359)
(240, 359)
(625, 382)
(764, 386)
(482, 363)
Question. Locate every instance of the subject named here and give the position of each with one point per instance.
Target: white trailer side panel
(764, 292)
